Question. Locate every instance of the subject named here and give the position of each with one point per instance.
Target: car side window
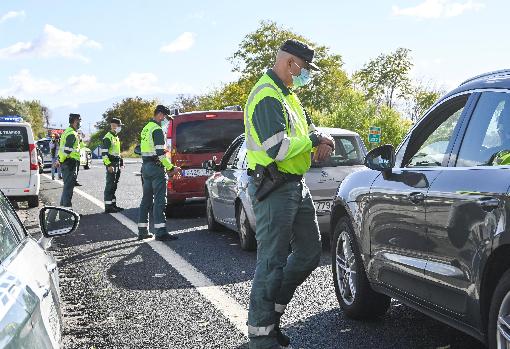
(428, 146)
(8, 239)
(232, 161)
(241, 157)
(487, 138)
(12, 217)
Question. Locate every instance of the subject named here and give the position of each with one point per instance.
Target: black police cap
(73, 117)
(162, 109)
(117, 121)
(300, 50)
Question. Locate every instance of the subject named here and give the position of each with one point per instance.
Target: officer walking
(110, 151)
(155, 168)
(54, 145)
(280, 138)
(69, 158)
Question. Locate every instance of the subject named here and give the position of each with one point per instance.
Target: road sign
(374, 134)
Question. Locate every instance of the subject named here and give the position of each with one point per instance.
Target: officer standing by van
(280, 138)
(113, 162)
(155, 168)
(69, 158)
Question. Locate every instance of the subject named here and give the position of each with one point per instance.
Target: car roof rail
(233, 108)
(501, 72)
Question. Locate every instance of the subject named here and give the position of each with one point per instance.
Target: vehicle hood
(324, 181)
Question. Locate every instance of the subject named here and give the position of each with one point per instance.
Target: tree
(422, 97)
(134, 113)
(186, 103)
(32, 112)
(386, 78)
(257, 52)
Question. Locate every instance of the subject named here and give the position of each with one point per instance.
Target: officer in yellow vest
(110, 152)
(69, 158)
(155, 168)
(280, 139)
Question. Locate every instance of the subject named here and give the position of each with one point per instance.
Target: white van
(19, 170)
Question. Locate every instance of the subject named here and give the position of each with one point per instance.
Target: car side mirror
(58, 221)
(210, 165)
(381, 158)
(137, 150)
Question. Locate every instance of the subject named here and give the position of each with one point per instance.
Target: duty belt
(289, 177)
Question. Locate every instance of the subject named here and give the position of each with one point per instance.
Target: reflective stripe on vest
(147, 147)
(74, 150)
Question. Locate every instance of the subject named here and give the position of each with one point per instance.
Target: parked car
(19, 169)
(428, 224)
(30, 315)
(40, 161)
(193, 138)
(43, 145)
(85, 157)
(229, 205)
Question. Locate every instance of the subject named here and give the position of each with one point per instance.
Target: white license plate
(198, 172)
(8, 169)
(323, 206)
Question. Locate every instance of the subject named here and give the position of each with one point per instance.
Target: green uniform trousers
(69, 173)
(112, 179)
(154, 188)
(286, 216)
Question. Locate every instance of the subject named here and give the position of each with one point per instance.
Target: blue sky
(72, 52)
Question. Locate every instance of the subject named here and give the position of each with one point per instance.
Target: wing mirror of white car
(381, 158)
(58, 221)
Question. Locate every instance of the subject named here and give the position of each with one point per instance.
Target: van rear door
(14, 157)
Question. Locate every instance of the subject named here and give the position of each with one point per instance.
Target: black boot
(282, 339)
(110, 209)
(119, 209)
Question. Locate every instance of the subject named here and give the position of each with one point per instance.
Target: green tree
(134, 113)
(257, 52)
(386, 78)
(421, 99)
(33, 112)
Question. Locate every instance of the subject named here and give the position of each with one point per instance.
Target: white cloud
(438, 9)
(23, 83)
(183, 43)
(11, 15)
(53, 42)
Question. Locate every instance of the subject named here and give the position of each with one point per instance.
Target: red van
(193, 138)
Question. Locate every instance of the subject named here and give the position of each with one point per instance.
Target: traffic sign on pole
(374, 134)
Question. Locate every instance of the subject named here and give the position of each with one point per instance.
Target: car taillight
(170, 185)
(33, 157)
(208, 116)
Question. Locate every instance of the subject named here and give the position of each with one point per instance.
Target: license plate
(323, 206)
(7, 170)
(198, 172)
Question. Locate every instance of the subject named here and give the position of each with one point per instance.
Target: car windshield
(207, 136)
(347, 153)
(13, 139)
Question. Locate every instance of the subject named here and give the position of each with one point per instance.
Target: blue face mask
(302, 79)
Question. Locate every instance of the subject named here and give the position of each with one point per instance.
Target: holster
(267, 179)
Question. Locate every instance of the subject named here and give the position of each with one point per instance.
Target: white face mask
(117, 130)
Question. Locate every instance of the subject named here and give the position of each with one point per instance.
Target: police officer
(281, 136)
(110, 151)
(155, 168)
(69, 158)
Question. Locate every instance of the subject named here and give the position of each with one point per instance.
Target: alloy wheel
(503, 328)
(346, 268)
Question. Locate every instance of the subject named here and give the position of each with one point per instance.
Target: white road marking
(228, 306)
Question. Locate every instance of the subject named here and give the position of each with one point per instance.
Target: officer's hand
(110, 169)
(327, 139)
(323, 152)
(174, 171)
(57, 164)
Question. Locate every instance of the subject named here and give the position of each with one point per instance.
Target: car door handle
(416, 198)
(488, 204)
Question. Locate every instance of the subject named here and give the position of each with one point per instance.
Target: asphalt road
(194, 292)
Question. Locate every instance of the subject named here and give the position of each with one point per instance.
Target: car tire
(33, 201)
(246, 233)
(212, 224)
(499, 308)
(355, 295)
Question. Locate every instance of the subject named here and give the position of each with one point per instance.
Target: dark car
(427, 224)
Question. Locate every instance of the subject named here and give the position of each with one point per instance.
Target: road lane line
(228, 306)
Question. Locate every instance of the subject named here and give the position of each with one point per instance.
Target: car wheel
(33, 201)
(499, 315)
(212, 224)
(246, 233)
(353, 291)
